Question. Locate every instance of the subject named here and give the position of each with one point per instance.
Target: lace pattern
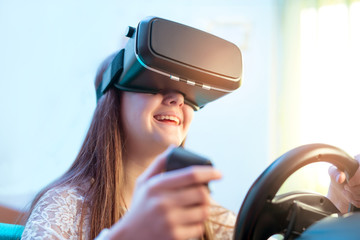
(57, 216)
(222, 222)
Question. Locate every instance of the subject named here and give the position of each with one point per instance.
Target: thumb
(158, 165)
(336, 175)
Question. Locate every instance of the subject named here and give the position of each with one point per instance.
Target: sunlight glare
(330, 82)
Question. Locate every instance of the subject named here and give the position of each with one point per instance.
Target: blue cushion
(10, 231)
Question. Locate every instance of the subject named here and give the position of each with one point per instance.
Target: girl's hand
(170, 205)
(342, 193)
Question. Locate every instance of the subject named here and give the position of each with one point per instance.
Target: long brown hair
(100, 162)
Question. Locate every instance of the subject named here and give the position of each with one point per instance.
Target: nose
(173, 99)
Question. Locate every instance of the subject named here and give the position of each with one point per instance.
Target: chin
(165, 143)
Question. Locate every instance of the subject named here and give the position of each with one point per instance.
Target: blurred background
(300, 85)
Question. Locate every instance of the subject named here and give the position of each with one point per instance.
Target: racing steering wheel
(263, 214)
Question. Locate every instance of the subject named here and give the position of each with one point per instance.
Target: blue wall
(49, 53)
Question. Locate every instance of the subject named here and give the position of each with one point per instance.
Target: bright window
(329, 85)
(330, 79)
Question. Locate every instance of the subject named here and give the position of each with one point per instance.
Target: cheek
(136, 110)
(130, 109)
(188, 116)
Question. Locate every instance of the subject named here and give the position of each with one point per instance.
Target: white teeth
(171, 118)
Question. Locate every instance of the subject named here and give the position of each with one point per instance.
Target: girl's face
(151, 119)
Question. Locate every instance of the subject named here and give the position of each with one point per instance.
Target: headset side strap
(111, 74)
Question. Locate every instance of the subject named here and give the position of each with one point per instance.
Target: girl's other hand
(342, 193)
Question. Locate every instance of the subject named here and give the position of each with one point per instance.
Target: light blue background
(49, 53)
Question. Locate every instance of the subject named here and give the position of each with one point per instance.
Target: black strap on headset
(111, 74)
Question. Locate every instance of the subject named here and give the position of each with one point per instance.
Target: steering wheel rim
(264, 189)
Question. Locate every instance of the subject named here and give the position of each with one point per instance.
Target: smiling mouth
(168, 119)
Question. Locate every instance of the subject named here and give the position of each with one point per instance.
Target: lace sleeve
(222, 221)
(57, 216)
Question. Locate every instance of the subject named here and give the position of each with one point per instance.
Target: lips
(168, 118)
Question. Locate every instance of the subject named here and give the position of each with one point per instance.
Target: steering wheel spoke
(303, 209)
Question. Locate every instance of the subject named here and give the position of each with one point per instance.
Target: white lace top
(57, 216)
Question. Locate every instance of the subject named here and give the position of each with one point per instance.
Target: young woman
(117, 182)
(116, 187)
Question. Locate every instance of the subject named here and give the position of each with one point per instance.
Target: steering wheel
(263, 214)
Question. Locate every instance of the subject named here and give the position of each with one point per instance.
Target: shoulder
(222, 221)
(65, 195)
(58, 213)
(62, 199)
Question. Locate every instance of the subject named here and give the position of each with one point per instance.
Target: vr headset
(164, 55)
